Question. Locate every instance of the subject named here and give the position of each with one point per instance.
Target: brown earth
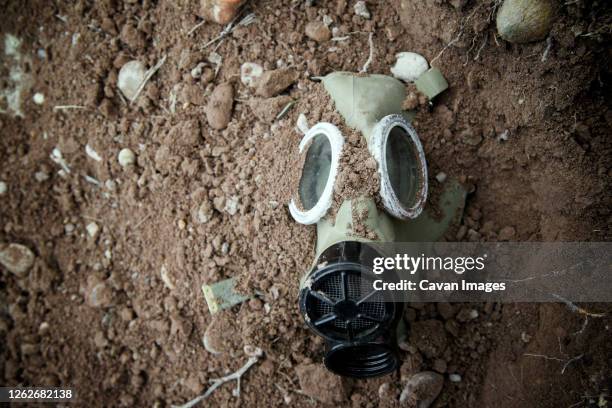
(527, 126)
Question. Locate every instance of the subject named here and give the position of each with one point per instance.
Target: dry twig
(217, 382)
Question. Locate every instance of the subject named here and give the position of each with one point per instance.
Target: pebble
(38, 98)
(361, 9)
(100, 295)
(466, 314)
(92, 153)
(165, 277)
(250, 73)
(271, 83)
(429, 337)
(454, 378)
(422, 389)
(318, 31)
(409, 66)
(130, 77)
(92, 229)
(219, 108)
(126, 157)
(3, 187)
(41, 176)
(441, 177)
(17, 258)
(471, 137)
(506, 233)
(439, 365)
(205, 212)
(231, 205)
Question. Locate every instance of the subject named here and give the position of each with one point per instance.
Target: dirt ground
(119, 314)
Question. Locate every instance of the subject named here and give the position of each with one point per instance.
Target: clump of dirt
(119, 314)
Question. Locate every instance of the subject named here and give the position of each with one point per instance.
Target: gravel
(126, 157)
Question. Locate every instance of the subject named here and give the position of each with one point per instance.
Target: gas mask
(336, 297)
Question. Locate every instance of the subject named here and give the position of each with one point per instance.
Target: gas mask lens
(323, 144)
(402, 167)
(315, 172)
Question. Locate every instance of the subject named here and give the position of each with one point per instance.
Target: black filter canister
(339, 303)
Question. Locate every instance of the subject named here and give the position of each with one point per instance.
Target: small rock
(219, 11)
(466, 314)
(318, 31)
(522, 21)
(384, 391)
(454, 378)
(205, 212)
(410, 102)
(44, 328)
(196, 72)
(17, 258)
(92, 229)
(100, 295)
(28, 349)
(219, 108)
(441, 177)
(100, 339)
(220, 335)
(422, 389)
(166, 278)
(38, 98)
(506, 233)
(231, 205)
(3, 187)
(271, 83)
(126, 157)
(250, 73)
(446, 310)
(41, 176)
(361, 10)
(130, 78)
(409, 66)
(439, 365)
(458, 4)
(320, 384)
(92, 153)
(471, 137)
(429, 337)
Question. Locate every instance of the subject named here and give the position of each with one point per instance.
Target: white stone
(92, 153)
(17, 258)
(361, 9)
(41, 176)
(231, 205)
(302, 123)
(38, 98)
(166, 278)
(3, 187)
(92, 229)
(250, 73)
(130, 78)
(409, 66)
(441, 177)
(126, 157)
(454, 378)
